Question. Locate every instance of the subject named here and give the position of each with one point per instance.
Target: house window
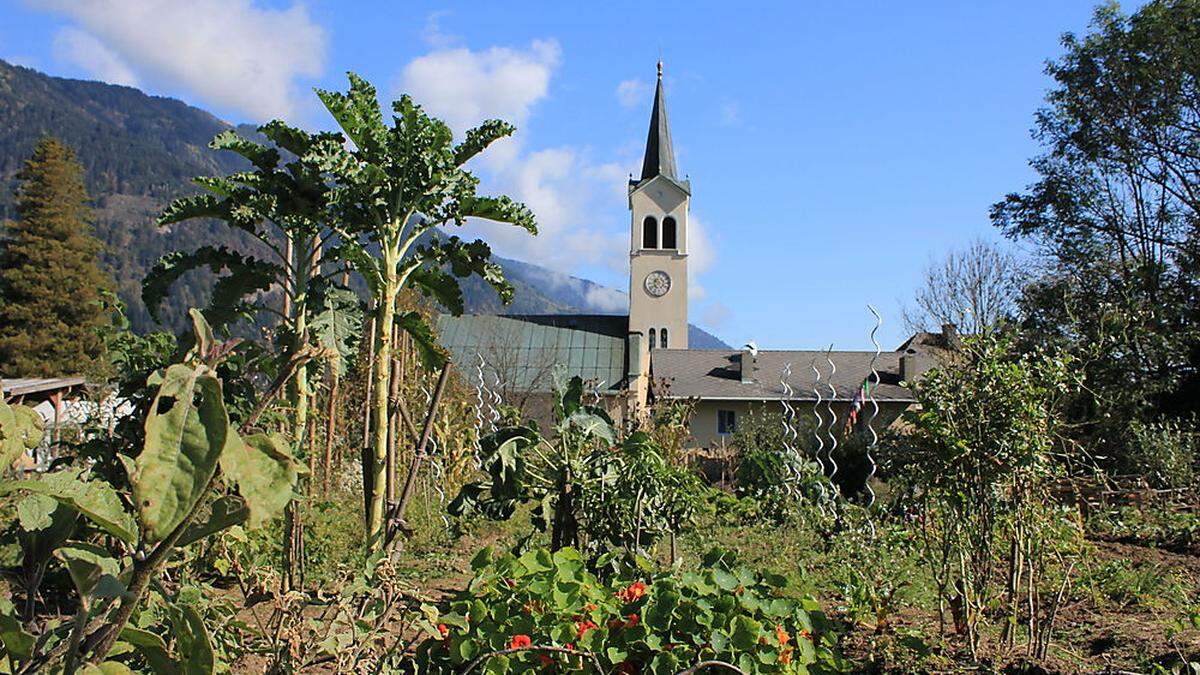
(726, 422)
(663, 334)
(668, 233)
(651, 338)
(649, 232)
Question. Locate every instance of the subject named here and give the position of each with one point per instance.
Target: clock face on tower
(658, 283)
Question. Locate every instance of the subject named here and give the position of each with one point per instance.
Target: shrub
(777, 478)
(1162, 451)
(545, 609)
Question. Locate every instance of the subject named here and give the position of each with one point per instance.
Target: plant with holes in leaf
(193, 476)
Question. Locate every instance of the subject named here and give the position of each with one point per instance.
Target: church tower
(658, 251)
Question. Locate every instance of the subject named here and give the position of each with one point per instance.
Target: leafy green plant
(389, 190)
(584, 485)
(189, 448)
(980, 456)
(778, 480)
(546, 610)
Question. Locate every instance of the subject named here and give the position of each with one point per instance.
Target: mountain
(140, 151)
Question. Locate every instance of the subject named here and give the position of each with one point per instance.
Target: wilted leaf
(265, 474)
(226, 511)
(186, 432)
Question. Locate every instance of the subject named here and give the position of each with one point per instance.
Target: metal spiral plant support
(596, 392)
(833, 444)
(496, 401)
(790, 435)
(817, 428)
(436, 463)
(872, 382)
(477, 458)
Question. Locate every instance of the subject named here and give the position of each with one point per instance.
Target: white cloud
(632, 93)
(570, 194)
(464, 87)
(84, 50)
(607, 300)
(579, 200)
(715, 315)
(227, 53)
(701, 256)
(433, 34)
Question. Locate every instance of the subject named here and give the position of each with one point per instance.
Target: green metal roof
(522, 350)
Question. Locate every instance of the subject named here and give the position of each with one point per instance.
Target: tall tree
(975, 288)
(1115, 211)
(51, 288)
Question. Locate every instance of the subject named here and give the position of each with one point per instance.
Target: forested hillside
(139, 151)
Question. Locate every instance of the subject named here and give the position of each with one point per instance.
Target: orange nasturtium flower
(634, 592)
(781, 635)
(520, 642)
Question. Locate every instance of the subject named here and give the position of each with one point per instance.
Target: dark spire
(660, 155)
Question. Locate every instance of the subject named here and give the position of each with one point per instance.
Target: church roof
(660, 153)
(521, 350)
(716, 374)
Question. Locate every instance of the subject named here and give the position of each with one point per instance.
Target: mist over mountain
(140, 151)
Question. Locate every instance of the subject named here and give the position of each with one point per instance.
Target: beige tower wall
(658, 197)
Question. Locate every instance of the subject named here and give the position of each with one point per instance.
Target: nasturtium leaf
(20, 430)
(744, 633)
(187, 431)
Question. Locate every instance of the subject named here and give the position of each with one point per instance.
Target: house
(629, 360)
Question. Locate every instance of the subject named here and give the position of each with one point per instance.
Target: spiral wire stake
(477, 458)
(789, 432)
(833, 444)
(872, 383)
(596, 392)
(817, 430)
(497, 400)
(436, 463)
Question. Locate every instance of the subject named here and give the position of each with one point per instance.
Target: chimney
(951, 336)
(635, 356)
(748, 366)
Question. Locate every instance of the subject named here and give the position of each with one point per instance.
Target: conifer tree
(51, 287)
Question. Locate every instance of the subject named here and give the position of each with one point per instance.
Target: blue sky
(834, 150)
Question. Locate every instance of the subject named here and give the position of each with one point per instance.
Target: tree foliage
(1115, 213)
(51, 288)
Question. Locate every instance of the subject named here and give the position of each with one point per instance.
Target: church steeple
(660, 155)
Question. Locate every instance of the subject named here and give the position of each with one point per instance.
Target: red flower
(633, 621)
(520, 642)
(590, 607)
(627, 667)
(782, 635)
(785, 656)
(546, 659)
(614, 624)
(441, 627)
(633, 593)
(583, 627)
